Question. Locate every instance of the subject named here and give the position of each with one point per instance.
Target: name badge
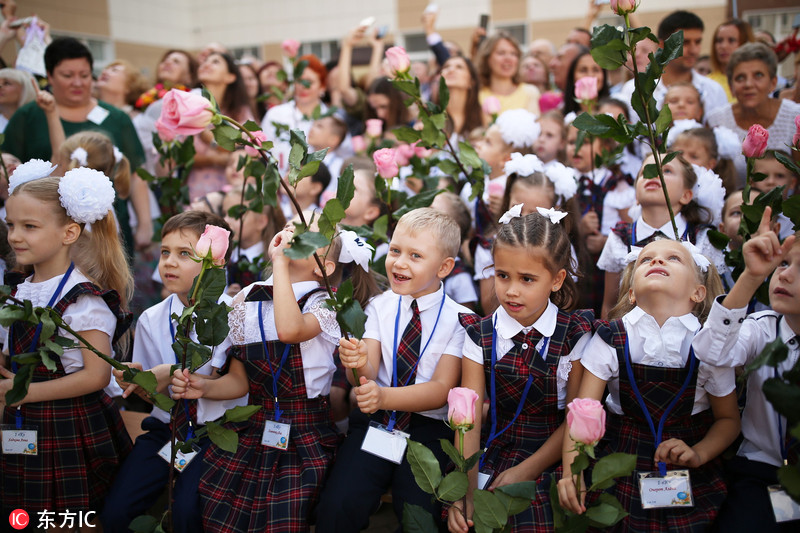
(784, 507)
(97, 115)
(182, 459)
(389, 445)
(672, 490)
(484, 477)
(276, 434)
(19, 441)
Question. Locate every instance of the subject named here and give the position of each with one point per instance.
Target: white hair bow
(699, 259)
(355, 249)
(511, 214)
(117, 155)
(553, 214)
(80, 155)
(633, 255)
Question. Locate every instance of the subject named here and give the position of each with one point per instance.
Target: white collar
(507, 326)
(301, 288)
(251, 252)
(598, 175)
(645, 230)
(424, 302)
(689, 321)
(786, 332)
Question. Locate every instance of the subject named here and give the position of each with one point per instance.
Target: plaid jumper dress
(81, 440)
(260, 488)
(630, 433)
(540, 416)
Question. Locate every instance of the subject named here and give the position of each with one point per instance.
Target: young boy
(329, 132)
(729, 338)
(144, 474)
(404, 389)
(365, 206)
(777, 176)
(308, 191)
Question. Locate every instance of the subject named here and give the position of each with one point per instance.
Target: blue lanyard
(662, 467)
(275, 374)
(493, 433)
(190, 432)
(14, 366)
(393, 416)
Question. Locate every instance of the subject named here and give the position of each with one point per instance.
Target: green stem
(463, 457)
(649, 122)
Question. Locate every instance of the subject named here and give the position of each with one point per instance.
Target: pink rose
(290, 47)
(167, 135)
(184, 113)
(461, 408)
(620, 7)
(796, 139)
(403, 154)
(496, 188)
(213, 241)
(261, 138)
(755, 143)
(586, 88)
(385, 161)
(359, 144)
(549, 101)
(398, 60)
(586, 420)
(374, 127)
(491, 105)
(421, 151)
(326, 195)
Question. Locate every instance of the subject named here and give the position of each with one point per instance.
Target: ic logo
(18, 519)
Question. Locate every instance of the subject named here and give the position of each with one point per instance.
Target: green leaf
(146, 380)
(787, 162)
(22, 380)
(516, 497)
(305, 244)
(352, 318)
(664, 119)
(223, 437)
(772, 355)
(422, 199)
(380, 227)
(791, 208)
(444, 94)
(406, 134)
(143, 524)
(638, 35)
(453, 487)
(468, 155)
(212, 326)
(162, 401)
(673, 48)
(332, 214)
(408, 87)
(488, 509)
(270, 185)
(611, 56)
(650, 171)
(299, 68)
(309, 169)
(226, 137)
(784, 397)
(10, 314)
(48, 326)
(417, 520)
(47, 361)
(580, 463)
(471, 461)
(604, 514)
(452, 453)
(240, 413)
(559, 516)
(197, 355)
(718, 239)
(789, 477)
(611, 466)
(345, 189)
(424, 466)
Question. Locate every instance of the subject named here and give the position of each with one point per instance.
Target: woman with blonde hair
(728, 36)
(498, 68)
(16, 90)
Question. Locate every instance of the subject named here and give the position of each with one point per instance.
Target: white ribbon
(117, 155)
(511, 214)
(80, 155)
(699, 259)
(355, 249)
(633, 255)
(553, 214)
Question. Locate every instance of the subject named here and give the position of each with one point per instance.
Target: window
(102, 49)
(517, 31)
(324, 50)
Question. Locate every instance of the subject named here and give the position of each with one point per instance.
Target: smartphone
(484, 22)
(382, 31)
(21, 22)
(367, 22)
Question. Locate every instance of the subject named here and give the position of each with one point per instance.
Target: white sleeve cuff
(433, 39)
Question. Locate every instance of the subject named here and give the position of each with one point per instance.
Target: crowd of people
(479, 291)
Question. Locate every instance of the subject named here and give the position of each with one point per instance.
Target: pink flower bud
(496, 188)
(261, 139)
(398, 60)
(549, 101)
(796, 138)
(586, 420)
(621, 7)
(386, 163)
(755, 143)
(403, 154)
(461, 408)
(374, 127)
(491, 105)
(421, 151)
(290, 47)
(183, 113)
(359, 144)
(586, 88)
(213, 241)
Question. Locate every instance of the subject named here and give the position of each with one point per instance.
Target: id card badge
(276, 434)
(784, 507)
(484, 478)
(389, 445)
(182, 459)
(672, 490)
(22, 441)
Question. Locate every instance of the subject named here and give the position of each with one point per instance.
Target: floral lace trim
(236, 320)
(562, 373)
(327, 321)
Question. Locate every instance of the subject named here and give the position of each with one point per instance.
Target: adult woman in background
(120, 84)
(253, 87)
(222, 78)
(176, 70)
(535, 72)
(16, 89)
(498, 70)
(271, 85)
(463, 110)
(584, 66)
(728, 36)
(752, 74)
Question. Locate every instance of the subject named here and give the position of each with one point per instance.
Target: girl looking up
(80, 439)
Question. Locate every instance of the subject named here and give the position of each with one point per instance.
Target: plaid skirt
(81, 442)
(708, 486)
(260, 488)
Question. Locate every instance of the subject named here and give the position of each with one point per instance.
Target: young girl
(684, 101)
(552, 141)
(283, 339)
(777, 175)
(645, 357)
(79, 438)
(712, 149)
(695, 195)
(522, 354)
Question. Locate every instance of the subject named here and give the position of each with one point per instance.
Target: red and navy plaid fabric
(540, 416)
(260, 488)
(81, 441)
(240, 275)
(631, 434)
(407, 356)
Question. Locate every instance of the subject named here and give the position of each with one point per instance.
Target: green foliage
(305, 244)
(610, 467)
(424, 466)
(453, 486)
(417, 520)
(223, 437)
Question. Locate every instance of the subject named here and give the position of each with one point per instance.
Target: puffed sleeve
(600, 359)
(91, 312)
(325, 316)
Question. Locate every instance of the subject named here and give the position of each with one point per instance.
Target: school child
(234, 177)
(684, 102)
(407, 362)
(777, 176)
(252, 233)
(329, 132)
(308, 191)
(712, 149)
(629, 160)
(695, 194)
(645, 357)
(79, 438)
(458, 284)
(551, 144)
(523, 354)
(144, 474)
(283, 338)
(365, 207)
(732, 338)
